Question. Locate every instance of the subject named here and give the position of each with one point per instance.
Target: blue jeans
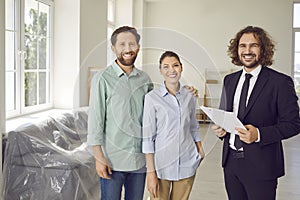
(134, 183)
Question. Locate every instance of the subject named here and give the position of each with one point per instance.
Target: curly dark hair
(265, 41)
(123, 29)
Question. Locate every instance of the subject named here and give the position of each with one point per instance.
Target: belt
(236, 154)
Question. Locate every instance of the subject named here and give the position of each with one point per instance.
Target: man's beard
(251, 65)
(128, 62)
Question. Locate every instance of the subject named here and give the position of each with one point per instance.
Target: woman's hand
(200, 151)
(152, 183)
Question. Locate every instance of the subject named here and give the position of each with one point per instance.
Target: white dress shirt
(237, 95)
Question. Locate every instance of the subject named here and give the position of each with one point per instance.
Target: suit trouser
(240, 183)
(175, 190)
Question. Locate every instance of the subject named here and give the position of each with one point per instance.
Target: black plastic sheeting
(50, 161)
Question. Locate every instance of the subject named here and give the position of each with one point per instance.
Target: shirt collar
(164, 91)
(254, 72)
(120, 72)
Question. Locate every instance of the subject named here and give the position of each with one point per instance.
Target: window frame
(110, 25)
(295, 71)
(295, 30)
(19, 62)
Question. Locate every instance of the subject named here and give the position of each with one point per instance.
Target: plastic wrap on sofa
(50, 160)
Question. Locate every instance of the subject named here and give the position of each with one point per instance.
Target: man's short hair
(123, 29)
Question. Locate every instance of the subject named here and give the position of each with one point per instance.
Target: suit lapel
(230, 90)
(261, 81)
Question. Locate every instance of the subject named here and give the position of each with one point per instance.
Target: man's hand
(248, 136)
(219, 131)
(102, 165)
(102, 168)
(193, 90)
(152, 183)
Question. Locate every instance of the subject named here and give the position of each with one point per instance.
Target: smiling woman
(170, 68)
(171, 138)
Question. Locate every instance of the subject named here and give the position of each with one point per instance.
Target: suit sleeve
(223, 101)
(288, 124)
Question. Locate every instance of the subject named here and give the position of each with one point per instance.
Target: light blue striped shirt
(115, 116)
(170, 130)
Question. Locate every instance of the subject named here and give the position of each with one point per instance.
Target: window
(296, 39)
(111, 25)
(28, 58)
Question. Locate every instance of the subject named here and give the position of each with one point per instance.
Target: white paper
(227, 120)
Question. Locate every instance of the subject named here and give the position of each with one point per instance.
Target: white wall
(80, 35)
(93, 42)
(2, 75)
(66, 53)
(138, 11)
(124, 12)
(211, 24)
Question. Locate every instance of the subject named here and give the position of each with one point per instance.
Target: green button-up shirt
(115, 116)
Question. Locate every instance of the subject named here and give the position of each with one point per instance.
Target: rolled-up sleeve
(149, 126)
(97, 111)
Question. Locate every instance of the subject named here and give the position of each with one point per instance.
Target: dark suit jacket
(273, 109)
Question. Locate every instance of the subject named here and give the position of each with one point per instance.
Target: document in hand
(227, 120)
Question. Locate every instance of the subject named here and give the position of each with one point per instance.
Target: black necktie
(242, 108)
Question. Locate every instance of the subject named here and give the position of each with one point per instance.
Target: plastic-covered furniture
(50, 161)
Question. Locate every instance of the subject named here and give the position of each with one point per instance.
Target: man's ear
(113, 48)
(139, 46)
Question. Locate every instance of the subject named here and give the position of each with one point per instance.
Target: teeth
(172, 75)
(127, 55)
(248, 56)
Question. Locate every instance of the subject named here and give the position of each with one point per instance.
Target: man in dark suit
(266, 103)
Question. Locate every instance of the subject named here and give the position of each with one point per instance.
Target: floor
(209, 183)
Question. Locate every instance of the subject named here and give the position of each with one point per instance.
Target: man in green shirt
(115, 120)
